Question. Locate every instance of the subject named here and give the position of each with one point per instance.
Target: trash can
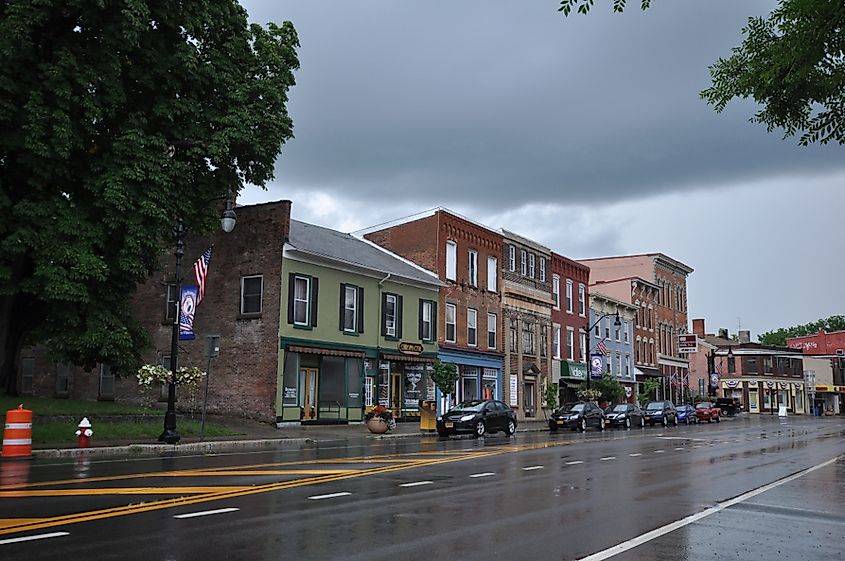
(428, 415)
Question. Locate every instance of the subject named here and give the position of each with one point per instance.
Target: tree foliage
(92, 94)
(647, 389)
(791, 62)
(609, 388)
(444, 375)
(779, 336)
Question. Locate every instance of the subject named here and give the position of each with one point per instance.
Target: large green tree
(791, 62)
(779, 336)
(116, 119)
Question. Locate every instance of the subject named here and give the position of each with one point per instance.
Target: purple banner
(186, 313)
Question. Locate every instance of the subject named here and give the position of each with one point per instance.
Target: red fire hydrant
(85, 433)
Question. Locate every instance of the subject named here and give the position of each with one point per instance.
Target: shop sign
(688, 343)
(407, 348)
(824, 388)
(290, 393)
(514, 398)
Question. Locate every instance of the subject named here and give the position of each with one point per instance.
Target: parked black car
(477, 417)
(662, 412)
(577, 416)
(730, 406)
(624, 415)
(559, 417)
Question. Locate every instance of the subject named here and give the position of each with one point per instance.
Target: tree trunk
(17, 317)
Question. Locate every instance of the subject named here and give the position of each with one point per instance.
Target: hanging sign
(186, 313)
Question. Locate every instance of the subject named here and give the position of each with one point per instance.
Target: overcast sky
(584, 133)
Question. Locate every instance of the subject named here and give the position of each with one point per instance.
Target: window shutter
(384, 314)
(398, 317)
(434, 321)
(342, 300)
(315, 291)
(360, 310)
(420, 320)
(291, 290)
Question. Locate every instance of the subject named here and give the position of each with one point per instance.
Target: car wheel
(688, 421)
(442, 434)
(583, 425)
(627, 422)
(511, 428)
(709, 420)
(552, 428)
(642, 423)
(718, 419)
(665, 422)
(601, 424)
(675, 421)
(480, 429)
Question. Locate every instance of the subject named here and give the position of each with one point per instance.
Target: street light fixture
(616, 323)
(227, 223)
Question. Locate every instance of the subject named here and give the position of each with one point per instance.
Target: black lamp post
(227, 223)
(711, 371)
(617, 322)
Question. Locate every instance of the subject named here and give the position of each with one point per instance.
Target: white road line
(697, 446)
(634, 455)
(329, 496)
(574, 463)
(531, 468)
(205, 513)
(35, 537)
(607, 458)
(659, 451)
(485, 474)
(678, 448)
(416, 483)
(672, 526)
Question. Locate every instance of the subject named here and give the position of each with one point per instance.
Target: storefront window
(469, 384)
(489, 383)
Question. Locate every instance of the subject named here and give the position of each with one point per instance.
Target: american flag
(602, 348)
(201, 272)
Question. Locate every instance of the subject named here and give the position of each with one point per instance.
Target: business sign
(410, 348)
(514, 397)
(596, 366)
(688, 343)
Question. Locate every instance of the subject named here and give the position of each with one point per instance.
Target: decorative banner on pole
(596, 366)
(186, 313)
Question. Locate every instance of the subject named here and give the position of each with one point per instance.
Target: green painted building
(358, 327)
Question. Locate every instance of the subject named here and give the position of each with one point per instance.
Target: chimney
(744, 336)
(698, 327)
(723, 333)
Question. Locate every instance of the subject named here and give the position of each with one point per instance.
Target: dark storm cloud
(504, 103)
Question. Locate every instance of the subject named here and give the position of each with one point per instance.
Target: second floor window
(351, 308)
(582, 300)
(570, 343)
(528, 338)
(582, 346)
(251, 289)
(473, 268)
(302, 300)
(472, 327)
(450, 323)
(391, 321)
(514, 339)
(491, 331)
(427, 315)
(451, 260)
(556, 291)
(556, 341)
(569, 296)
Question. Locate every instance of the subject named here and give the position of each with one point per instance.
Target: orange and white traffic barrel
(17, 436)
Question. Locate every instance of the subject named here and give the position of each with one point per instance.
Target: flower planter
(377, 426)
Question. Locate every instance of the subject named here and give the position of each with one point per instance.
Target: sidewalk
(255, 436)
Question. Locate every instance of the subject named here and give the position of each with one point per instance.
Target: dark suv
(730, 406)
(660, 412)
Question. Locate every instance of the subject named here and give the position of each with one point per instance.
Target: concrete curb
(215, 446)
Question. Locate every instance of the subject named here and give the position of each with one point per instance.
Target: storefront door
(396, 390)
(308, 392)
(528, 399)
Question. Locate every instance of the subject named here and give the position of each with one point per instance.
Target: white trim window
(252, 289)
(556, 341)
(583, 346)
(625, 327)
(451, 260)
(350, 308)
(472, 327)
(582, 300)
(512, 258)
(426, 309)
(569, 296)
(542, 269)
(570, 343)
(451, 312)
(531, 259)
(523, 259)
(556, 291)
(302, 300)
(472, 269)
(492, 273)
(390, 315)
(492, 321)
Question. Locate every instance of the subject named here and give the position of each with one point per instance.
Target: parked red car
(708, 411)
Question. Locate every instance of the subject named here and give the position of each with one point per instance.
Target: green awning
(572, 369)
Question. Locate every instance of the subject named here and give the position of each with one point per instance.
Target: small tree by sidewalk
(444, 376)
(648, 387)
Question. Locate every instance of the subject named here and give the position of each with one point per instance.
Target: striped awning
(408, 358)
(326, 352)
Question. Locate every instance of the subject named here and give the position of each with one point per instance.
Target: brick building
(466, 258)
(241, 306)
(526, 309)
(570, 320)
(670, 310)
(831, 346)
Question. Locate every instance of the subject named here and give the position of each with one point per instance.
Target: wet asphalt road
(534, 496)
